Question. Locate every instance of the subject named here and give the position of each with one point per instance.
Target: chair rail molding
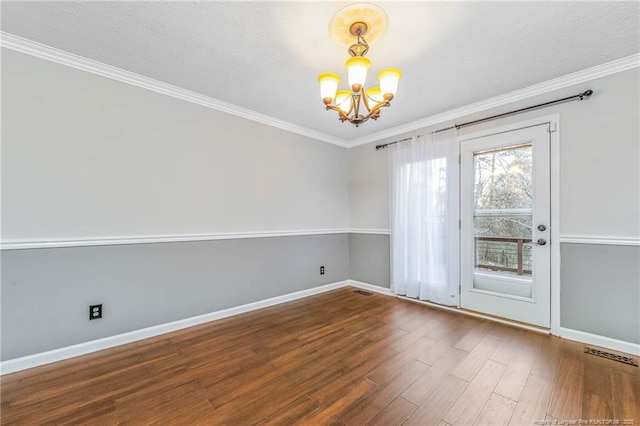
(600, 239)
(39, 243)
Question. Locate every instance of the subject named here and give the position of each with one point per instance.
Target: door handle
(541, 241)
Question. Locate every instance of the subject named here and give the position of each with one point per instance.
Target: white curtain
(424, 215)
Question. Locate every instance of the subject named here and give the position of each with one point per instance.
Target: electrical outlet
(322, 270)
(95, 311)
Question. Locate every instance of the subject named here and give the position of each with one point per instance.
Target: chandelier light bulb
(328, 86)
(374, 96)
(343, 101)
(389, 78)
(357, 68)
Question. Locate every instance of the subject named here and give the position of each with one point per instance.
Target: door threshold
(489, 317)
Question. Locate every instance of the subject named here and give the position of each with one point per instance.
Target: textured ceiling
(265, 56)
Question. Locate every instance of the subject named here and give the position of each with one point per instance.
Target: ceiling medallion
(354, 22)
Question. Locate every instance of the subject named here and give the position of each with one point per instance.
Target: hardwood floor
(335, 358)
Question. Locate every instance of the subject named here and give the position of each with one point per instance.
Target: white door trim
(554, 121)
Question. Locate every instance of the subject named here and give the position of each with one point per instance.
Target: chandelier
(359, 104)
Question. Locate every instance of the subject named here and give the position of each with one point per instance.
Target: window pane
(502, 218)
(503, 179)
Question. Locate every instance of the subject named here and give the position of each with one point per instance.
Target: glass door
(505, 213)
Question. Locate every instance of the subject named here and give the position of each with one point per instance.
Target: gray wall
(368, 188)
(46, 293)
(601, 290)
(369, 259)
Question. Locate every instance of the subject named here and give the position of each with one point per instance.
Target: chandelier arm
(375, 111)
(351, 107)
(357, 119)
(365, 100)
(341, 113)
(355, 103)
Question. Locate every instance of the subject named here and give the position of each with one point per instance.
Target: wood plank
(597, 394)
(417, 334)
(394, 414)
(445, 343)
(383, 396)
(350, 399)
(546, 364)
(626, 396)
(468, 406)
(533, 402)
(293, 412)
(47, 404)
(238, 385)
(178, 404)
(429, 381)
(455, 325)
(264, 402)
(517, 373)
(469, 366)
(497, 411)
(473, 337)
(566, 398)
(506, 350)
(433, 409)
(345, 382)
(532, 338)
(386, 371)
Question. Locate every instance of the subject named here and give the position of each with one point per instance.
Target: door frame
(553, 122)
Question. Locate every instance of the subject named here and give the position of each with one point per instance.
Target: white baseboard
(602, 341)
(371, 287)
(29, 361)
(35, 360)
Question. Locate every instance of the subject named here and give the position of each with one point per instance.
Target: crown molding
(52, 54)
(583, 76)
(58, 56)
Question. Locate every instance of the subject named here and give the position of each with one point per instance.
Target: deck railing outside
(510, 254)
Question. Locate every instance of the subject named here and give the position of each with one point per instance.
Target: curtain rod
(579, 96)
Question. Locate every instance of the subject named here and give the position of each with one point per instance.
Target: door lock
(542, 228)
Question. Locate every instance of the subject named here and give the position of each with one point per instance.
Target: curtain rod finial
(586, 94)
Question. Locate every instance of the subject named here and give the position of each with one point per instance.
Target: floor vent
(608, 355)
(363, 292)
